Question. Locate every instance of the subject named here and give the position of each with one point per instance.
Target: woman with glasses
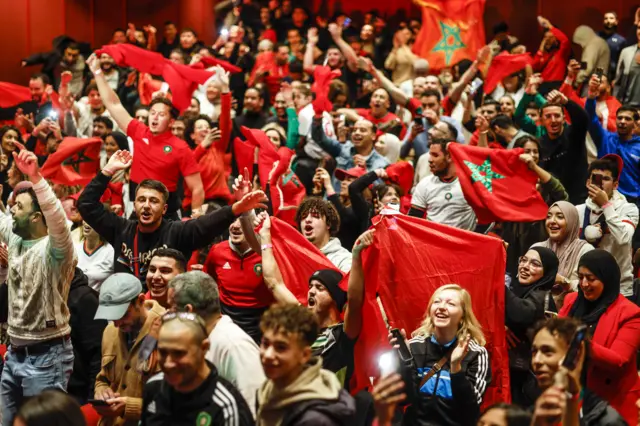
(563, 229)
(525, 304)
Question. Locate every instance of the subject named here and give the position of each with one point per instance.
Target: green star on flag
(483, 173)
(443, 45)
(76, 160)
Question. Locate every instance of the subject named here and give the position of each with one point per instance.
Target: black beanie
(331, 278)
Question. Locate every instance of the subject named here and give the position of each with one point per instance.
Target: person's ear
(164, 209)
(306, 355)
(188, 308)
(141, 299)
(205, 345)
(36, 216)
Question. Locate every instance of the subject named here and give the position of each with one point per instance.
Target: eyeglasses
(186, 316)
(522, 260)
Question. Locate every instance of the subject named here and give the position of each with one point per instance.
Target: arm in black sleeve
(197, 233)
(267, 190)
(579, 123)
(416, 212)
(105, 222)
(468, 386)
(523, 312)
(359, 205)
(31, 143)
(342, 210)
(90, 332)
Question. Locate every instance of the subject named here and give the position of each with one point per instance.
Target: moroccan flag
(298, 259)
(268, 154)
(503, 65)
(243, 155)
(76, 161)
(410, 258)
(497, 185)
(452, 30)
(12, 95)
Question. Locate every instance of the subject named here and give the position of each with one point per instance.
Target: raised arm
(484, 57)
(332, 146)
(596, 130)
(60, 242)
(224, 122)
(270, 270)
(396, 93)
(355, 292)
(348, 52)
(109, 97)
(308, 60)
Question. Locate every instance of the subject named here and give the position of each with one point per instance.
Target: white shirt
(305, 119)
(237, 358)
(84, 124)
(444, 203)
(97, 266)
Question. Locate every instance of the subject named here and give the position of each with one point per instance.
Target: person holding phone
(595, 53)
(558, 362)
(607, 219)
(450, 366)
(614, 329)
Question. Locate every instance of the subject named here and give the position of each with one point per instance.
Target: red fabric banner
(497, 184)
(503, 66)
(412, 257)
(451, 31)
(12, 95)
(76, 161)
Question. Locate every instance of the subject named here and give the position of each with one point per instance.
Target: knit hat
(331, 278)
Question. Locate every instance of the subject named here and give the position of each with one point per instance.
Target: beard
(610, 27)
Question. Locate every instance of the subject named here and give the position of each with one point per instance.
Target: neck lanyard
(136, 258)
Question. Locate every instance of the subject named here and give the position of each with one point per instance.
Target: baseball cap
(617, 159)
(354, 172)
(116, 294)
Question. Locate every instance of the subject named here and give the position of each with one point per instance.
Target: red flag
(298, 259)
(451, 31)
(503, 66)
(497, 184)
(268, 154)
(431, 255)
(76, 161)
(12, 95)
(287, 192)
(322, 76)
(210, 61)
(244, 153)
(182, 80)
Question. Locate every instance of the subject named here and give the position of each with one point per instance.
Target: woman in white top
(563, 229)
(95, 256)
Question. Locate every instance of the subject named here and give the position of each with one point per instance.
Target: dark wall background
(28, 26)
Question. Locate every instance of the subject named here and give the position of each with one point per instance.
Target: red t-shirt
(239, 278)
(163, 157)
(366, 113)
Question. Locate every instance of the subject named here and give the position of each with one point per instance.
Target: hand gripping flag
(497, 184)
(76, 161)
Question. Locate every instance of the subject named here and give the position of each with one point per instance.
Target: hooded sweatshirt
(595, 52)
(315, 397)
(338, 255)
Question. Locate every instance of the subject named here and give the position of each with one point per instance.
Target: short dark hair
(605, 164)
(612, 12)
(551, 104)
(491, 101)
(324, 208)
(629, 108)
(500, 27)
(563, 327)
(119, 30)
(35, 205)
(43, 77)
(195, 99)
(181, 261)
(167, 23)
(502, 121)
(431, 92)
(141, 107)
(382, 189)
(104, 120)
(440, 142)
(91, 87)
(5, 129)
(73, 46)
(179, 52)
(296, 66)
(51, 407)
(291, 319)
(452, 130)
(515, 416)
(172, 110)
(190, 127)
(156, 185)
(532, 105)
(189, 30)
(524, 139)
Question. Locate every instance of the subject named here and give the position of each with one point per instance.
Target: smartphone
(583, 65)
(98, 403)
(224, 32)
(53, 115)
(571, 358)
(347, 22)
(599, 72)
(403, 350)
(596, 180)
(388, 363)
(418, 121)
(475, 85)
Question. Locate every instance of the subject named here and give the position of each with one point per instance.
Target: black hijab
(121, 140)
(550, 264)
(604, 266)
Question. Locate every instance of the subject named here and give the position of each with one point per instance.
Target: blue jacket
(421, 142)
(344, 152)
(610, 143)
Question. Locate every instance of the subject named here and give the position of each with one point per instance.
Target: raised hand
(482, 124)
(213, 136)
(65, 78)
(459, 353)
(387, 394)
(556, 97)
(528, 160)
(242, 185)
(222, 77)
(364, 240)
(594, 86)
(312, 36)
(120, 160)
(335, 30)
(251, 201)
(264, 221)
(484, 54)
(573, 69)
(26, 161)
(93, 63)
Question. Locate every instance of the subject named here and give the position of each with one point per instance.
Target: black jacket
(215, 402)
(521, 314)
(86, 337)
(566, 156)
(120, 233)
(446, 399)
(597, 412)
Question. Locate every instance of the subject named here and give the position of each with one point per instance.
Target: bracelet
(607, 204)
(266, 246)
(98, 72)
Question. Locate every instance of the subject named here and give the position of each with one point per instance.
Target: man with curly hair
(297, 390)
(319, 222)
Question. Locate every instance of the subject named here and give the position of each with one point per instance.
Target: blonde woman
(451, 337)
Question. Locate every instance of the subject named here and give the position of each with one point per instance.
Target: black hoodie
(86, 337)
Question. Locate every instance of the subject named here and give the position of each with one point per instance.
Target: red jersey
(162, 157)
(552, 66)
(366, 114)
(239, 277)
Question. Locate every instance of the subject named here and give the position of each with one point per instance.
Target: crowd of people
(154, 293)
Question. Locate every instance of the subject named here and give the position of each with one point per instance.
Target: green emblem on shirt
(258, 269)
(483, 173)
(167, 149)
(203, 419)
